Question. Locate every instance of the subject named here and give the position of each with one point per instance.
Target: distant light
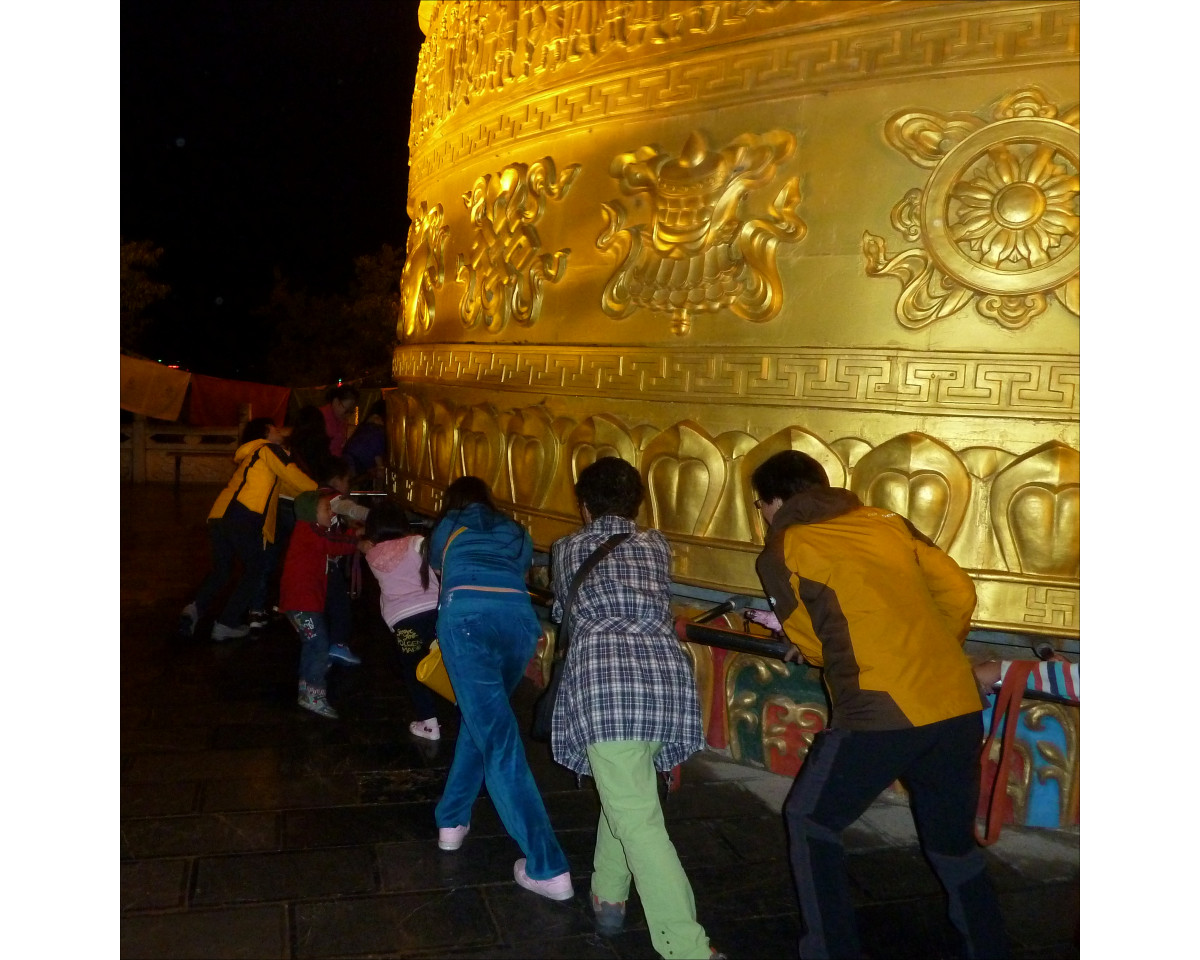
(219, 301)
(179, 141)
(173, 366)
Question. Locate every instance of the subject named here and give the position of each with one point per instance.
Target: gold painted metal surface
(694, 234)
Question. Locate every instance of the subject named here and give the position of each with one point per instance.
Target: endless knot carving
(424, 269)
(507, 269)
(697, 254)
(998, 219)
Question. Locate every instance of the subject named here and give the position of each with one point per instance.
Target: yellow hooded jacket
(264, 470)
(872, 601)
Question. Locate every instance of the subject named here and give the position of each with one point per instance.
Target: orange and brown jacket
(876, 605)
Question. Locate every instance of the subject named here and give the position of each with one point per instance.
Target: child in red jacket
(319, 534)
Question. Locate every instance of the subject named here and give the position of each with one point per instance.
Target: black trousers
(413, 636)
(843, 774)
(232, 538)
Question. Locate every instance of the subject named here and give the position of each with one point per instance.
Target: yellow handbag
(432, 672)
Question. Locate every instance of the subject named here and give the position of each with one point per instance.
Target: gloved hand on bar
(345, 507)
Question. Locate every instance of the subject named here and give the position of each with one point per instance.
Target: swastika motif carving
(1051, 607)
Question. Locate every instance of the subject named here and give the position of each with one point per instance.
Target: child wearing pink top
(408, 603)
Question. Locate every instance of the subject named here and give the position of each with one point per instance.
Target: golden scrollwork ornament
(507, 269)
(424, 269)
(998, 219)
(697, 254)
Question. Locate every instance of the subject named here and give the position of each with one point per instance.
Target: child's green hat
(306, 506)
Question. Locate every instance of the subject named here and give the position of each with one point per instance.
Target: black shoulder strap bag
(543, 709)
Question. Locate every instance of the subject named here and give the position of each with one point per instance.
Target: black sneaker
(258, 619)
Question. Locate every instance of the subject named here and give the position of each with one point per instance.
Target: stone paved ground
(250, 828)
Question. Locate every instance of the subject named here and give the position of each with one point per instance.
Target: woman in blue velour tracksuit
(488, 632)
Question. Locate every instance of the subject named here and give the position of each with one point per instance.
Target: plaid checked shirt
(627, 676)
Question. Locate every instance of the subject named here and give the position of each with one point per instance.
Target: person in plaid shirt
(627, 705)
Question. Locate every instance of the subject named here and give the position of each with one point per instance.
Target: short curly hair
(610, 487)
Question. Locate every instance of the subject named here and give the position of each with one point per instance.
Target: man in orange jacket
(883, 612)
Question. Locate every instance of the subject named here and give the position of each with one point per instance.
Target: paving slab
(250, 828)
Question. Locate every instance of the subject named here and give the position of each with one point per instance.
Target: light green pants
(632, 843)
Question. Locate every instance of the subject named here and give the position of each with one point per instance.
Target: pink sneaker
(556, 888)
(451, 838)
(426, 729)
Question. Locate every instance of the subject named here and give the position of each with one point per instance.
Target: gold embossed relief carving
(1029, 386)
(477, 48)
(1061, 767)
(694, 484)
(742, 709)
(685, 473)
(424, 269)
(789, 729)
(480, 445)
(697, 254)
(977, 547)
(919, 478)
(1035, 511)
(443, 442)
(583, 444)
(507, 269)
(533, 450)
(996, 223)
(410, 440)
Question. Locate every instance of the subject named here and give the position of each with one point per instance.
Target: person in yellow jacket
(241, 525)
(883, 612)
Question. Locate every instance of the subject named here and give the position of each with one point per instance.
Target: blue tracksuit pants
(487, 638)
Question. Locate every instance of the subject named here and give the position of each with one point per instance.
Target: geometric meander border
(1045, 386)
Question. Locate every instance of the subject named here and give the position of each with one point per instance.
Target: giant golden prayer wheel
(692, 234)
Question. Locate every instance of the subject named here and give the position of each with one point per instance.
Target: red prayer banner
(214, 402)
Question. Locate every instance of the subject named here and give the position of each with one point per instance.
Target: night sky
(261, 136)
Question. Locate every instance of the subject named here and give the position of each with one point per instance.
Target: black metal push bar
(696, 630)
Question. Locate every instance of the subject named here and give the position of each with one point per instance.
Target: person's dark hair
(610, 487)
(787, 473)
(308, 417)
(461, 493)
(257, 429)
(331, 469)
(309, 443)
(387, 521)
(345, 392)
(377, 409)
